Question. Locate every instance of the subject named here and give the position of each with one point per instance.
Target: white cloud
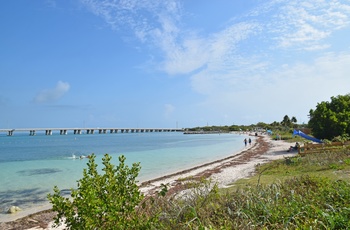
(262, 58)
(292, 90)
(215, 51)
(300, 24)
(141, 16)
(52, 95)
(305, 24)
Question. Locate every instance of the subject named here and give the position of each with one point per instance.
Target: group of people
(246, 141)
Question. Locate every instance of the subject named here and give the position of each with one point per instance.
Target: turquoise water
(31, 165)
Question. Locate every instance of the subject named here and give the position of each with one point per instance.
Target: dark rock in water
(38, 171)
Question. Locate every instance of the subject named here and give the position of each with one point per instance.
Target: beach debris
(14, 209)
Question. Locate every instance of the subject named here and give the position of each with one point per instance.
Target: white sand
(278, 150)
(227, 175)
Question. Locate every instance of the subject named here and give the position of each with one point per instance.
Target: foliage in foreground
(106, 201)
(297, 203)
(113, 201)
(334, 164)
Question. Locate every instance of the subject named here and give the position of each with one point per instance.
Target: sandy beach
(224, 172)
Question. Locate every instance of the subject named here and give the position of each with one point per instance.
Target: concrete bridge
(77, 131)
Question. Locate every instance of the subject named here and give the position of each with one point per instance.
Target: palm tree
(286, 121)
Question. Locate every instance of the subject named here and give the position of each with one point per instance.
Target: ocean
(30, 166)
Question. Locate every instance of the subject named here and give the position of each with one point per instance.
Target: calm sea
(30, 166)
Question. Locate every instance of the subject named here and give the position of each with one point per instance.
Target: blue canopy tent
(300, 133)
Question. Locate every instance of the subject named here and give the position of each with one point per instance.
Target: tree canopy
(331, 119)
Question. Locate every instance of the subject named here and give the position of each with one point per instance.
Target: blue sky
(169, 63)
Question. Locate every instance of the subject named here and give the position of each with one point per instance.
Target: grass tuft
(310, 192)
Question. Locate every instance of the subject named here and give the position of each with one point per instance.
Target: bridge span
(77, 131)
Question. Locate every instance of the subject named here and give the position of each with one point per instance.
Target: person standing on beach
(250, 141)
(245, 142)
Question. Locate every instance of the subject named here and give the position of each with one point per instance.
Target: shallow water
(31, 165)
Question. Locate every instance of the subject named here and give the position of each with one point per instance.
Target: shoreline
(197, 171)
(227, 170)
(223, 171)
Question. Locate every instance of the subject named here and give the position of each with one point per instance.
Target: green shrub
(107, 201)
(296, 203)
(347, 161)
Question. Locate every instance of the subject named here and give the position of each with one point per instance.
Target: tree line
(328, 120)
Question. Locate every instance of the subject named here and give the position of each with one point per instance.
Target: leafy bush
(108, 201)
(342, 138)
(331, 119)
